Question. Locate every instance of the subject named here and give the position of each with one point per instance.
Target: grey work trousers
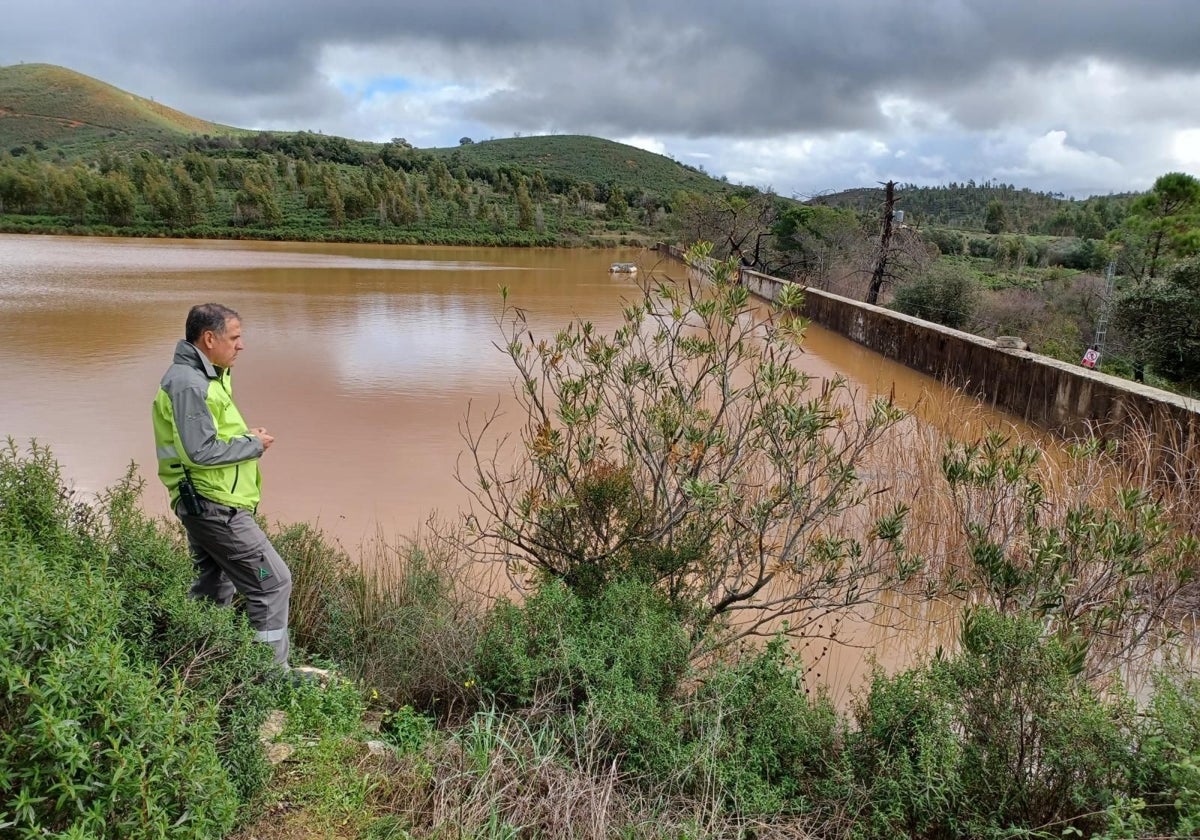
(230, 551)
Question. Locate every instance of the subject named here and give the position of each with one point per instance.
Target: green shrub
(333, 709)
(945, 294)
(906, 755)
(1005, 737)
(949, 242)
(618, 658)
(978, 246)
(1040, 746)
(92, 741)
(37, 505)
(142, 565)
(1168, 776)
(752, 727)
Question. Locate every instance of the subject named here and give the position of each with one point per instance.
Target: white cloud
(1185, 147)
(1052, 158)
(650, 144)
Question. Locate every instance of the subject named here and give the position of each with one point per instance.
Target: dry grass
(907, 468)
(508, 775)
(403, 619)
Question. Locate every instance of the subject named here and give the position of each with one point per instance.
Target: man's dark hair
(207, 316)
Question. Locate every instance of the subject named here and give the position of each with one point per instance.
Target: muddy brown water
(362, 360)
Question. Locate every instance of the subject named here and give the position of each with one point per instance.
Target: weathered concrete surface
(1064, 398)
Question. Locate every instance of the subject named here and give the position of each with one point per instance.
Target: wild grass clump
(530, 774)
(401, 622)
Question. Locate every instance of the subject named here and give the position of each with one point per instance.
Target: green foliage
(1163, 318)
(1005, 736)
(1169, 755)
(157, 172)
(406, 729)
(752, 726)
(618, 657)
(1162, 223)
(36, 504)
(809, 241)
(718, 478)
(944, 294)
(568, 160)
(1105, 576)
(1082, 254)
(1039, 745)
(333, 709)
(121, 612)
(995, 219)
(965, 206)
(905, 755)
(91, 740)
(951, 243)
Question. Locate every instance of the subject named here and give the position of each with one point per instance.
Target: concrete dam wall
(1064, 398)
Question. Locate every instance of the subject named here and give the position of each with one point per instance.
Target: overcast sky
(1073, 96)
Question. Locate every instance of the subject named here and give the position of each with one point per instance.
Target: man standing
(208, 460)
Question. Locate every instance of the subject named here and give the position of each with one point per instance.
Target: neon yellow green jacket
(197, 426)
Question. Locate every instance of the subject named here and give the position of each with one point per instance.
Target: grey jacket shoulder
(189, 369)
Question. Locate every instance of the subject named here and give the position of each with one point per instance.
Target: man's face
(222, 349)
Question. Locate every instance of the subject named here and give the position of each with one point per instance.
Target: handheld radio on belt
(188, 494)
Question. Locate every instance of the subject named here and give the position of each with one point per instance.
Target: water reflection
(417, 344)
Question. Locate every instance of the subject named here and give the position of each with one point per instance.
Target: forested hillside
(79, 155)
(993, 208)
(588, 159)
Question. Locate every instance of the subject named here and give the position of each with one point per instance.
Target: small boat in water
(623, 268)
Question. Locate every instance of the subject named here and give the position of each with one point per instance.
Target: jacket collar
(188, 354)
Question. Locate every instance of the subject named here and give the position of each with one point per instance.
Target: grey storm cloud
(688, 68)
(1073, 95)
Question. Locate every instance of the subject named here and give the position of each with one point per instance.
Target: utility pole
(885, 242)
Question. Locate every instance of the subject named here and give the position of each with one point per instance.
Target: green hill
(43, 106)
(590, 159)
(46, 106)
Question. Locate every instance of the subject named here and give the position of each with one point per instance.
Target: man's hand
(262, 435)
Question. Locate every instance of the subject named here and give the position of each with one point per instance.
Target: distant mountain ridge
(965, 206)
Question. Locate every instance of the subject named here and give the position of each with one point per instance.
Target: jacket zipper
(237, 468)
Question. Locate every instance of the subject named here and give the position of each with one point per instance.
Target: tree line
(306, 184)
